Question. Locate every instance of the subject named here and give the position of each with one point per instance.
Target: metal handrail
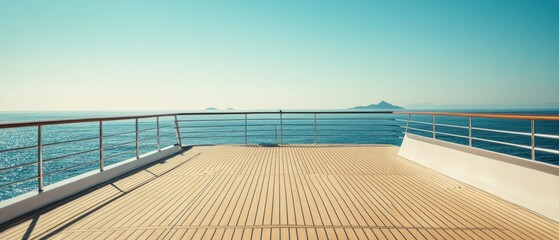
(215, 128)
(71, 155)
(284, 125)
(220, 136)
(212, 120)
(97, 119)
(546, 135)
(420, 122)
(339, 125)
(70, 141)
(78, 120)
(71, 167)
(485, 115)
(100, 120)
(502, 143)
(224, 126)
(18, 181)
(239, 131)
(118, 134)
(167, 134)
(532, 134)
(358, 130)
(452, 135)
(419, 129)
(341, 135)
(286, 112)
(17, 149)
(547, 150)
(352, 119)
(147, 129)
(502, 131)
(118, 145)
(16, 166)
(294, 135)
(452, 126)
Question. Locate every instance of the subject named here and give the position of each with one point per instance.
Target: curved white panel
(527, 183)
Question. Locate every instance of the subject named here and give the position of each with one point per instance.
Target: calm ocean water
(119, 137)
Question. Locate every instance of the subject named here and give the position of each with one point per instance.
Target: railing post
(281, 126)
(276, 133)
(408, 123)
(315, 128)
(158, 135)
(177, 128)
(101, 148)
(40, 157)
(470, 131)
(246, 135)
(434, 128)
(533, 136)
(137, 141)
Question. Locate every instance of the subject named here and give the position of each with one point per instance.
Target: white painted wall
(26, 203)
(533, 185)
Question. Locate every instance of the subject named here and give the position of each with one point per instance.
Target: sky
(186, 55)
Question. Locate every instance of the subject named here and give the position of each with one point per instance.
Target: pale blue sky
(161, 55)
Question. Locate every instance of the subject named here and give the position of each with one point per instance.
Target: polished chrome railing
(283, 126)
(101, 147)
(431, 128)
(190, 129)
(266, 127)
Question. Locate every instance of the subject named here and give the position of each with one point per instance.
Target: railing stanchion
(246, 134)
(40, 156)
(177, 128)
(281, 126)
(470, 131)
(137, 141)
(101, 148)
(315, 128)
(158, 135)
(533, 138)
(434, 126)
(276, 133)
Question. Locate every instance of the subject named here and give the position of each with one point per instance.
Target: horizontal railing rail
(487, 115)
(79, 120)
(113, 145)
(532, 134)
(134, 135)
(98, 145)
(283, 124)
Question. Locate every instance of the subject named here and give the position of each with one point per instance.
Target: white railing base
(530, 184)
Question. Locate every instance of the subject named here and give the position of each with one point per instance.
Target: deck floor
(286, 192)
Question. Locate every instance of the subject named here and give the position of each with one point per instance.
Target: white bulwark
(530, 184)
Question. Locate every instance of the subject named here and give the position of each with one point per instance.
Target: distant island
(380, 105)
(215, 109)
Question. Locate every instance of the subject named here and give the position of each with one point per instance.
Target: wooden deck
(287, 192)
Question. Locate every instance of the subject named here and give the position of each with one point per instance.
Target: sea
(73, 149)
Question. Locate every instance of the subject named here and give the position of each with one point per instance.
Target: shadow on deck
(308, 191)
